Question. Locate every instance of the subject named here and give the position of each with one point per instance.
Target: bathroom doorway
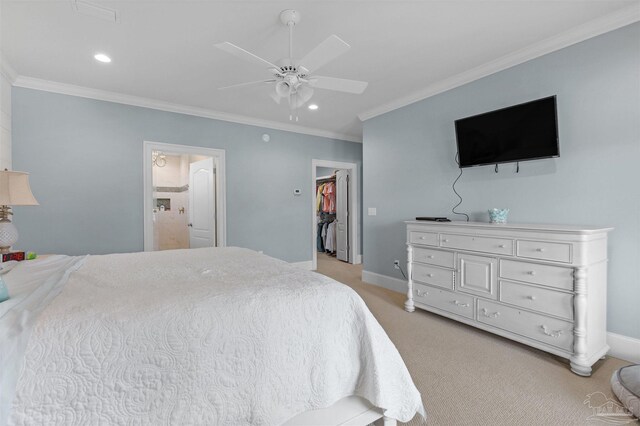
(183, 197)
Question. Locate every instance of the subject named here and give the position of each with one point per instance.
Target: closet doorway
(335, 210)
(184, 197)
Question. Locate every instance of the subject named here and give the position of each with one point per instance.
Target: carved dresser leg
(408, 305)
(579, 363)
(581, 370)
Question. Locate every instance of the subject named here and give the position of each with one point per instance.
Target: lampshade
(15, 189)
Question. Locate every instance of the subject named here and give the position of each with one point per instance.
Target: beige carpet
(469, 377)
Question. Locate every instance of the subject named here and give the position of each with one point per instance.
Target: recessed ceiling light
(313, 107)
(102, 58)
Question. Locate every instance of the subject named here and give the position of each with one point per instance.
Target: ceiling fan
(295, 80)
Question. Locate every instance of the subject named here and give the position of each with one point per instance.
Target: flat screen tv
(527, 131)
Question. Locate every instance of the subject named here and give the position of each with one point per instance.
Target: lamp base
(8, 235)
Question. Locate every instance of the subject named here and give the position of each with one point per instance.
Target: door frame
(354, 214)
(221, 194)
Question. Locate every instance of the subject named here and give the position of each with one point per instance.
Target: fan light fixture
(294, 79)
(313, 107)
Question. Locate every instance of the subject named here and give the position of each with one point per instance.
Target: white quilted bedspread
(204, 337)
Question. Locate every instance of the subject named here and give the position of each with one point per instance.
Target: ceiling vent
(90, 9)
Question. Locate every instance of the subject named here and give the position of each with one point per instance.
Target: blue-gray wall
(85, 160)
(409, 160)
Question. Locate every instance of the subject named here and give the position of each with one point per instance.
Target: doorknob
(191, 224)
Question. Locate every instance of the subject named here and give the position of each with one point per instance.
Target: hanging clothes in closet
(326, 211)
(326, 197)
(330, 238)
(320, 238)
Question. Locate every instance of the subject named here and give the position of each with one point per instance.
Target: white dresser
(541, 285)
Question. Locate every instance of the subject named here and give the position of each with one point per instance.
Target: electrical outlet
(396, 264)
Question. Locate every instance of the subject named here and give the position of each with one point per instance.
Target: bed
(202, 336)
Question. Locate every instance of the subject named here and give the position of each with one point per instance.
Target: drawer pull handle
(540, 250)
(486, 313)
(421, 293)
(422, 238)
(531, 272)
(555, 333)
(462, 305)
(531, 297)
(501, 246)
(445, 241)
(430, 256)
(430, 275)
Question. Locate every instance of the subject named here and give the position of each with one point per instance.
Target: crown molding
(120, 98)
(7, 70)
(575, 35)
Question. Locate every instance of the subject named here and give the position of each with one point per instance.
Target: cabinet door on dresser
(477, 275)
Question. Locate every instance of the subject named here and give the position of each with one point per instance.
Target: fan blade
(233, 86)
(324, 53)
(243, 54)
(338, 84)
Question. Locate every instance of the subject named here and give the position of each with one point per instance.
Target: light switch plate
(372, 211)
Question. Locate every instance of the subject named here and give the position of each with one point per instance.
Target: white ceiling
(164, 50)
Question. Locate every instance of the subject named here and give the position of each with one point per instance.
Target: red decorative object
(14, 255)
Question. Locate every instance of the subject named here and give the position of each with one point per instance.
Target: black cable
(453, 210)
(401, 271)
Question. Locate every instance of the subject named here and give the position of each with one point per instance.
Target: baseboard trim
(306, 265)
(385, 281)
(622, 347)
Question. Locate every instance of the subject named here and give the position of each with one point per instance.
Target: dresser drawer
(558, 252)
(538, 299)
(543, 329)
(426, 238)
(433, 257)
(551, 276)
(432, 275)
(445, 300)
(483, 244)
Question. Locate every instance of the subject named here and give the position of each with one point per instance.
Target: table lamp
(14, 191)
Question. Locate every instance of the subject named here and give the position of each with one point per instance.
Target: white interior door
(342, 215)
(202, 192)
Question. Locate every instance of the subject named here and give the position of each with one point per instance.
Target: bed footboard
(349, 411)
